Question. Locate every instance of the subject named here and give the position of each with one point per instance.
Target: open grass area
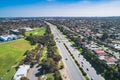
(72, 42)
(44, 52)
(44, 55)
(80, 50)
(10, 55)
(50, 76)
(38, 31)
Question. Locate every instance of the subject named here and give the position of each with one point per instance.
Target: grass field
(10, 55)
(38, 31)
(44, 52)
(44, 55)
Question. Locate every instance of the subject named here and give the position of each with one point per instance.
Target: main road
(72, 68)
(91, 72)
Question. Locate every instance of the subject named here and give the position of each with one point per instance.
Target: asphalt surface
(72, 68)
(60, 38)
(33, 73)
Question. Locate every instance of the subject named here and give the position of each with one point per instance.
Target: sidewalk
(64, 74)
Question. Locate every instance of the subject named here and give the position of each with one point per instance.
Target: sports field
(38, 31)
(10, 55)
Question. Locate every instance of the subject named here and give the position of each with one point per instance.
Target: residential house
(110, 60)
(21, 72)
(100, 53)
(117, 46)
(15, 31)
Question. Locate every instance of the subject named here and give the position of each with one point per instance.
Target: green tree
(57, 75)
(24, 78)
(49, 65)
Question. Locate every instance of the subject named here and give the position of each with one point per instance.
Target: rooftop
(100, 52)
(21, 72)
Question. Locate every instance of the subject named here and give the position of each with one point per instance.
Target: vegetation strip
(49, 56)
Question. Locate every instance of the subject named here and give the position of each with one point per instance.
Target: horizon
(60, 8)
(62, 16)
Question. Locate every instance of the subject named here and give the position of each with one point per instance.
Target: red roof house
(100, 53)
(110, 60)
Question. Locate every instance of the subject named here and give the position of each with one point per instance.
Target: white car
(92, 78)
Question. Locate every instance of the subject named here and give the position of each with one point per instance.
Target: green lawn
(38, 31)
(72, 42)
(50, 76)
(10, 55)
(44, 52)
(43, 56)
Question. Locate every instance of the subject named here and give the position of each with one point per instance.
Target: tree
(57, 75)
(22, 31)
(57, 58)
(104, 37)
(24, 78)
(49, 65)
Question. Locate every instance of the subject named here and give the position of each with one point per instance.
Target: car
(66, 59)
(82, 65)
(87, 69)
(81, 62)
(92, 78)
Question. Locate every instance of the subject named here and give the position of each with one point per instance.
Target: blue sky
(38, 8)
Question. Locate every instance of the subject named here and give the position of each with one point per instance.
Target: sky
(59, 8)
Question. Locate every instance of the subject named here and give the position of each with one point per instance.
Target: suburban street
(81, 60)
(72, 68)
